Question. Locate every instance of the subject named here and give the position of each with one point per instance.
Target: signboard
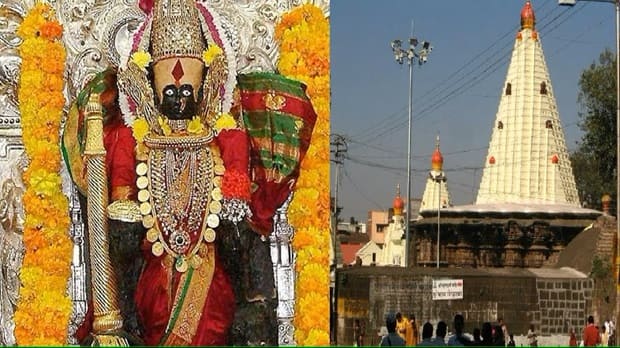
(447, 289)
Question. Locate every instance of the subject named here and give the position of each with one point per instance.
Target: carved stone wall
(553, 302)
(530, 243)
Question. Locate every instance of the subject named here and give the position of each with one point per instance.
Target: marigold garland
(44, 307)
(303, 35)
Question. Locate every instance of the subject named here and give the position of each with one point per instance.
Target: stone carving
(283, 258)
(11, 15)
(12, 163)
(77, 282)
(11, 246)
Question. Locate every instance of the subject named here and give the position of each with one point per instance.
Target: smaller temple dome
(528, 20)
(437, 158)
(398, 203)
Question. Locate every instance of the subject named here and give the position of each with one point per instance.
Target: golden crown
(176, 30)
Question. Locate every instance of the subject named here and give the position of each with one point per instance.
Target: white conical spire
(436, 186)
(528, 159)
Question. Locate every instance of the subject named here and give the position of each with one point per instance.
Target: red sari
(157, 288)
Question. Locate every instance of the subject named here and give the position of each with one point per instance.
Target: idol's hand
(125, 211)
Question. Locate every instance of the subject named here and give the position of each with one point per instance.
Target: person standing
(501, 323)
(440, 334)
(392, 338)
(572, 341)
(356, 332)
(477, 337)
(487, 334)
(401, 325)
(459, 339)
(412, 335)
(604, 336)
(590, 334)
(427, 335)
(498, 337)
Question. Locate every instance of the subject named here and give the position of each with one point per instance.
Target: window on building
(500, 125)
(548, 124)
(508, 89)
(543, 88)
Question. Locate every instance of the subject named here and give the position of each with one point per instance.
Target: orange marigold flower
(51, 30)
(317, 337)
(43, 300)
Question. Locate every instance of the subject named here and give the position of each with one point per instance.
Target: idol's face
(178, 103)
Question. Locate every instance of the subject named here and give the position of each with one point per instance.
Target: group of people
(404, 332)
(595, 336)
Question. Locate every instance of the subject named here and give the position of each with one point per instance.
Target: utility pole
(339, 149)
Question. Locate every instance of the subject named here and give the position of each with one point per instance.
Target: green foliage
(594, 162)
(601, 268)
(590, 183)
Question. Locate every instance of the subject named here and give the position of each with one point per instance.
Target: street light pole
(410, 55)
(438, 216)
(617, 163)
(617, 263)
(409, 151)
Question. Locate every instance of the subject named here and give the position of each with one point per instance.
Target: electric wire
(452, 75)
(437, 100)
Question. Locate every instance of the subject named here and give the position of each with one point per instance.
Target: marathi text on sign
(447, 289)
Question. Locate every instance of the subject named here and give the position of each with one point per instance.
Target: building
(523, 251)
(436, 189)
(378, 220)
(527, 209)
(352, 227)
(388, 247)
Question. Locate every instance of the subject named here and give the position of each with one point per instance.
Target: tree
(594, 161)
(590, 183)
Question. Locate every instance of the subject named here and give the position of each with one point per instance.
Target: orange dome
(528, 20)
(437, 158)
(398, 204)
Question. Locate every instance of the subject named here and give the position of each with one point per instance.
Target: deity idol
(215, 154)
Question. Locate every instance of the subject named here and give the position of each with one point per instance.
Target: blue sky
(455, 94)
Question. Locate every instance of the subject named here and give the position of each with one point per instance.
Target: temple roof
(437, 158)
(436, 189)
(528, 19)
(398, 204)
(508, 272)
(527, 160)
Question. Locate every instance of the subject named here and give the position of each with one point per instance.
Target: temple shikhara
(527, 209)
(528, 160)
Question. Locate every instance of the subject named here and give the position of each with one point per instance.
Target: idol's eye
(186, 93)
(169, 92)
